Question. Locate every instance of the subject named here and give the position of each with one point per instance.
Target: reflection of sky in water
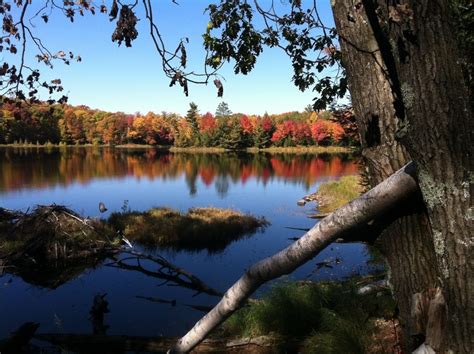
(276, 200)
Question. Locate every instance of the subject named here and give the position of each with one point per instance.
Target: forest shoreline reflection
(27, 168)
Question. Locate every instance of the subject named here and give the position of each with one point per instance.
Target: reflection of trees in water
(39, 167)
(222, 186)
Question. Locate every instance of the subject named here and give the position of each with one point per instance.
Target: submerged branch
(166, 271)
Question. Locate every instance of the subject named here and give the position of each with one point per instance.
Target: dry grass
(200, 228)
(199, 149)
(305, 149)
(334, 194)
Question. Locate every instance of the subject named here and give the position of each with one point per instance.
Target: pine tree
(223, 110)
(261, 138)
(231, 137)
(192, 116)
(192, 119)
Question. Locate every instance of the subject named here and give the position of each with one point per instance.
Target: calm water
(264, 185)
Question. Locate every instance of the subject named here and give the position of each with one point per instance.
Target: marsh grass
(334, 194)
(327, 317)
(200, 228)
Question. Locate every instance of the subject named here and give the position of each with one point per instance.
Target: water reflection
(260, 184)
(25, 168)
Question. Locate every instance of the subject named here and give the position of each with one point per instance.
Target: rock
(301, 202)
(370, 288)
(318, 216)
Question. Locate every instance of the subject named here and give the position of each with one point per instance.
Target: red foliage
(337, 132)
(301, 132)
(267, 124)
(207, 123)
(325, 132)
(246, 124)
(298, 132)
(347, 120)
(319, 131)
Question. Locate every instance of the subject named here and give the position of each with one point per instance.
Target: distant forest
(63, 124)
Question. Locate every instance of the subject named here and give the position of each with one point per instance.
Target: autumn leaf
(113, 11)
(183, 55)
(220, 87)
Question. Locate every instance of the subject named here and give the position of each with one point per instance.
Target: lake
(261, 184)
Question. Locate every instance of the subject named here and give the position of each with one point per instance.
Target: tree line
(43, 123)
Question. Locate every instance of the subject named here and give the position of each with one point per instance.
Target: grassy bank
(326, 317)
(306, 149)
(334, 194)
(197, 149)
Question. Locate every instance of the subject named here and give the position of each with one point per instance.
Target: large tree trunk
(439, 132)
(385, 198)
(405, 51)
(411, 272)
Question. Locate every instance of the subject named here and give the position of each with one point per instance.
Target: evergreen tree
(223, 110)
(192, 116)
(261, 138)
(231, 135)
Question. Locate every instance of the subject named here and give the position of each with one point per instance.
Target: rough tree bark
(438, 133)
(413, 45)
(373, 100)
(384, 198)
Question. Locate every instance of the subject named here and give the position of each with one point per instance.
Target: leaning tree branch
(389, 194)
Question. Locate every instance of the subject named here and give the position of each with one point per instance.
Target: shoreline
(197, 149)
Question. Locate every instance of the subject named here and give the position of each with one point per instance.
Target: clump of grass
(200, 228)
(328, 317)
(334, 194)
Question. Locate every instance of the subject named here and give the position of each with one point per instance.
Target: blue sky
(130, 79)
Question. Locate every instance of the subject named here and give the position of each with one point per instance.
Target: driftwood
(169, 273)
(385, 197)
(50, 233)
(318, 216)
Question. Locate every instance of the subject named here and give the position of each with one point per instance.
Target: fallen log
(87, 343)
(388, 195)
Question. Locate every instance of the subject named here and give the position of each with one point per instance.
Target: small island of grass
(334, 194)
(200, 228)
